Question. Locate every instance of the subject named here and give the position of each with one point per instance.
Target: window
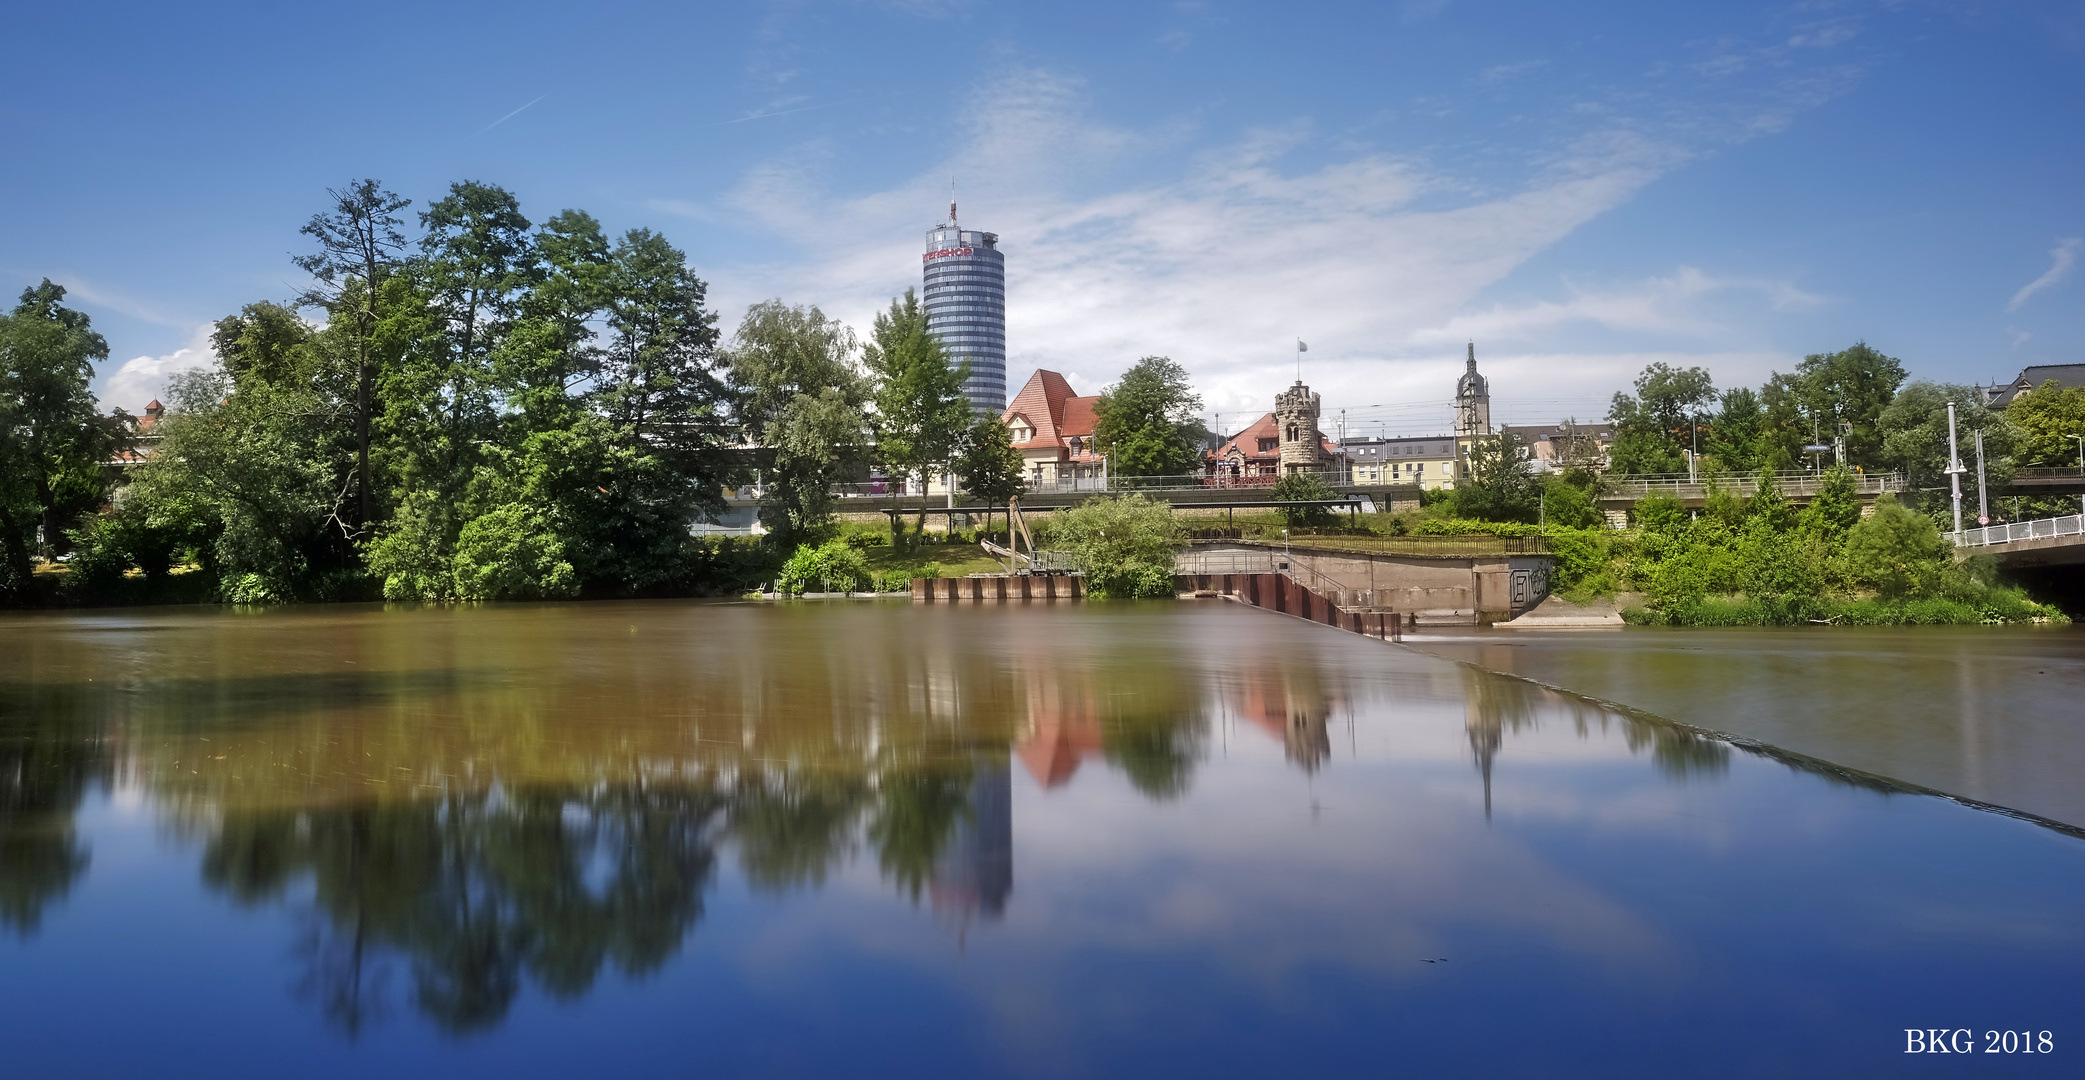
(1268, 444)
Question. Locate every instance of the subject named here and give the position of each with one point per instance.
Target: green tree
(360, 247)
(1304, 488)
(1127, 545)
(1914, 437)
(1852, 386)
(1569, 505)
(801, 398)
(1733, 437)
(1898, 552)
(1148, 422)
(1661, 514)
(921, 412)
(1836, 506)
(1498, 483)
(992, 470)
(1654, 424)
(1784, 429)
(53, 441)
(2049, 419)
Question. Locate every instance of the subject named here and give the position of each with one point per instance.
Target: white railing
(1796, 484)
(2039, 528)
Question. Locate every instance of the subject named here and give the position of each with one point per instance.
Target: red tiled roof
(1247, 442)
(1050, 407)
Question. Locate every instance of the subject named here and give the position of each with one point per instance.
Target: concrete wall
(1428, 590)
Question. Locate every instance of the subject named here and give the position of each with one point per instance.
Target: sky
(1577, 189)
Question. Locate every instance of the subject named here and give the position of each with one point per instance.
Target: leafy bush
(1128, 546)
(254, 588)
(1569, 505)
(833, 566)
(512, 553)
(1896, 551)
(1304, 487)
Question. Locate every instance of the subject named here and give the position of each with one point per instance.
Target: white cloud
(144, 378)
(1230, 254)
(1665, 305)
(2062, 258)
(1220, 267)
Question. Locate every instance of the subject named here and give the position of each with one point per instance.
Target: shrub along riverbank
(1759, 561)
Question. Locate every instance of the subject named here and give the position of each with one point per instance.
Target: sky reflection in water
(1070, 840)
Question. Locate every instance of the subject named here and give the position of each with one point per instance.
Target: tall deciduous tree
(1733, 437)
(1852, 386)
(921, 412)
(2050, 418)
(802, 399)
(992, 470)
(1147, 423)
(358, 240)
(1913, 432)
(52, 439)
(1654, 424)
(1498, 483)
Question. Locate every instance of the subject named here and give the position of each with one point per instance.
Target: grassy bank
(1998, 607)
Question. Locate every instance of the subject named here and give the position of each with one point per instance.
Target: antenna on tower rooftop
(951, 200)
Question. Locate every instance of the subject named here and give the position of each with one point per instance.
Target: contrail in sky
(508, 117)
(763, 116)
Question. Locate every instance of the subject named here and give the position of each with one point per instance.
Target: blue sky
(1580, 189)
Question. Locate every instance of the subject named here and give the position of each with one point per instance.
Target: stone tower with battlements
(1296, 417)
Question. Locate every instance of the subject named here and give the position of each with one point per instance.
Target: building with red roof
(1053, 429)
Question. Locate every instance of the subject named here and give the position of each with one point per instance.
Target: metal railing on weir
(2037, 529)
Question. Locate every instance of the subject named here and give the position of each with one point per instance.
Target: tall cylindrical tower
(965, 297)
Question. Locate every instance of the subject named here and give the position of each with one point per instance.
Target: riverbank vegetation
(485, 407)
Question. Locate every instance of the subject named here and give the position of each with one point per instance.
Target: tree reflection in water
(1496, 704)
(477, 891)
(534, 799)
(47, 765)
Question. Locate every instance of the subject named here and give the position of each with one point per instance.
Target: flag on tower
(1300, 346)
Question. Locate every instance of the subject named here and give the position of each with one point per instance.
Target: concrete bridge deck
(2058, 541)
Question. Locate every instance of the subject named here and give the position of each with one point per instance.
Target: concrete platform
(1555, 613)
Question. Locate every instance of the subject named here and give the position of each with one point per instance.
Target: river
(1990, 714)
(1010, 840)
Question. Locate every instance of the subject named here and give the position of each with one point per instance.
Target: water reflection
(539, 797)
(46, 768)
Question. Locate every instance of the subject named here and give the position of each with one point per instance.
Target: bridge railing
(2039, 528)
(1796, 484)
(1085, 484)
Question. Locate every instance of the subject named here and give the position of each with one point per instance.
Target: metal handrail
(1787, 483)
(2034, 529)
(1173, 482)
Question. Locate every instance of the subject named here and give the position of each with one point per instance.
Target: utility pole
(1983, 512)
(2081, 468)
(1954, 468)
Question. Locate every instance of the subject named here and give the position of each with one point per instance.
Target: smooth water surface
(1993, 714)
(879, 839)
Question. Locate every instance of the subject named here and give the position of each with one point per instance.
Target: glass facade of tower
(965, 297)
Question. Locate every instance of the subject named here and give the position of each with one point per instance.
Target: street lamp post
(1954, 468)
(2081, 469)
(1983, 512)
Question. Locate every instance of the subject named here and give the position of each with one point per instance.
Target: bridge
(1621, 492)
(2064, 481)
(2058, 541)
(1193, 491)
